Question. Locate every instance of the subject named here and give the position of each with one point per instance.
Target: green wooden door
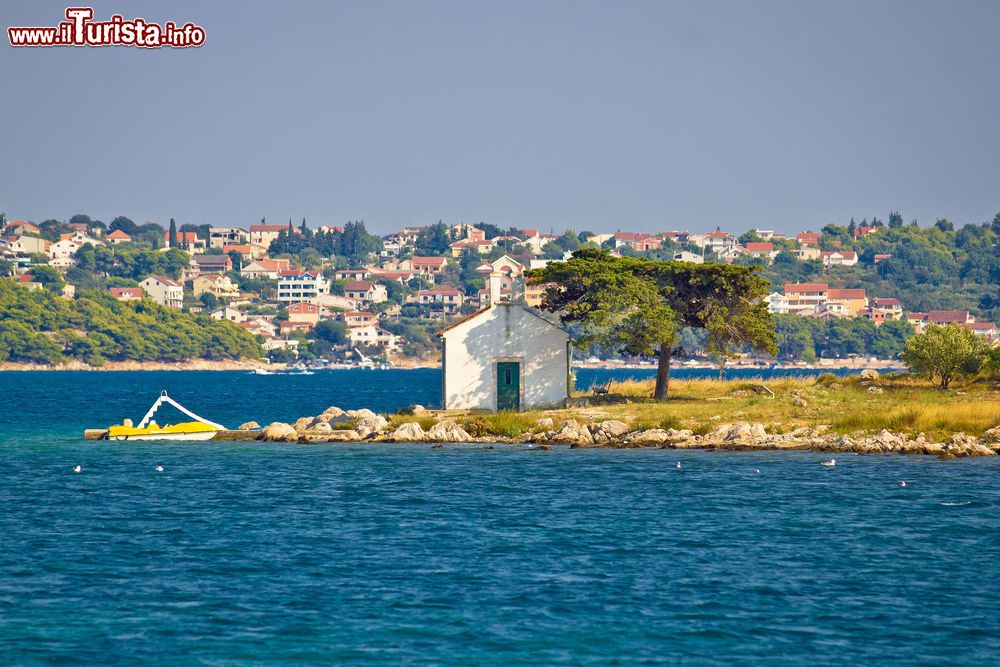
(508, 385)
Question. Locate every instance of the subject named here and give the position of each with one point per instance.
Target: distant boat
(262, 371)
(199, 429)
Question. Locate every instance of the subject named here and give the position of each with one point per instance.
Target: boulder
(875, 390)
(360, 414)
(333, 413)
(247, 426)
(800, 402)
(648, 438)
(418, 410)
(321, 427)
(279, 432)
(546, 423)
(888, 441)
(609, 431)
(366, 426)
(303, 423)
(741, 432)
(574, 434)
(992, 436)
(408, 432)
(961, 444)
(448, 431)
(869, 375)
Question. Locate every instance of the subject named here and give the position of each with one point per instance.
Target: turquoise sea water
(386, 554)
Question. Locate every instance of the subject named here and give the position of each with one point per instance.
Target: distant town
(339, 293)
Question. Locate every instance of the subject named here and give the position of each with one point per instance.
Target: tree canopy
(640, 305)
(944, 352)
(41, 327)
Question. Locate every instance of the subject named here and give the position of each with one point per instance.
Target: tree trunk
(663, 372)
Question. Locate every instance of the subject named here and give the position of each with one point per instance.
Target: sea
(345, 554)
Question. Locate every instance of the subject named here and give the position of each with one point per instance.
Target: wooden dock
(226, 435)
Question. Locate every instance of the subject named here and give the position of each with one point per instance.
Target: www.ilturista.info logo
(80, 30)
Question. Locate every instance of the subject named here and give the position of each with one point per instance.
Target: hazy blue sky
(593, 115)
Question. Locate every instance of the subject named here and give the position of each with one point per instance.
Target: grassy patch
(508, 424)
(400, 418)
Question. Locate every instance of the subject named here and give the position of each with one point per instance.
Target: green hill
(39, 326)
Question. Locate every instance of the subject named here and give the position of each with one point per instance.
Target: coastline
(860, 414)
(124, 366)
(415, 364)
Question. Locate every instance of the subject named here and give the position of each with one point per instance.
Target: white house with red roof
(126, 293)
(482, 247)
(638, 241)
(442, 301)
(424, 265)
(808, 238)
(716, 240)
(365, 291)
(186, 241)
(164, 291)
(265, 268)
(762, 249)
(264, 235)
(116, 237)
(357, 318)
(839, 258)
(802, 296)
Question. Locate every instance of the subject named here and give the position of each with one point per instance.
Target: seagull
(158, 468)
(757, 470)
(902, 483)
(678, 465)
(831, 463)
(78, 469)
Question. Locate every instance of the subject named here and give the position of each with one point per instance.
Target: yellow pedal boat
(200, 429)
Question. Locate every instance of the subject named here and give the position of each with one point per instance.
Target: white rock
(279, 432)
(366, 426)
(408, 432)
(447, 431)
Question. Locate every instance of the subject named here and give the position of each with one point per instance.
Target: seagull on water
(158, 468)
(902, 483)
(757, 470)
(831, 463)
(678, 465)
(78, 469)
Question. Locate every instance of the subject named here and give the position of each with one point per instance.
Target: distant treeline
(39, 326)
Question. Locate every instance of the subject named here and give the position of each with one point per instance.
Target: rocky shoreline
(365, 426)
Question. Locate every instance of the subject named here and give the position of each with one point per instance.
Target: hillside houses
(263, 235)
(220, 237)
(301, 286)
(415, 276)
(365, 291)
(442, 301)
(265, 268)
(164, 291)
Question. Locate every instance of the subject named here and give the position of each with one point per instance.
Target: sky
(597, 116)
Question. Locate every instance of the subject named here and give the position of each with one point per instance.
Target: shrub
(671, 422)
(701, 429)
(945, 353)
(826, 379)
(508, 424)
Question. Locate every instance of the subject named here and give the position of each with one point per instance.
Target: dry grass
(908, 404)
(509, 424)
(425, 421)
